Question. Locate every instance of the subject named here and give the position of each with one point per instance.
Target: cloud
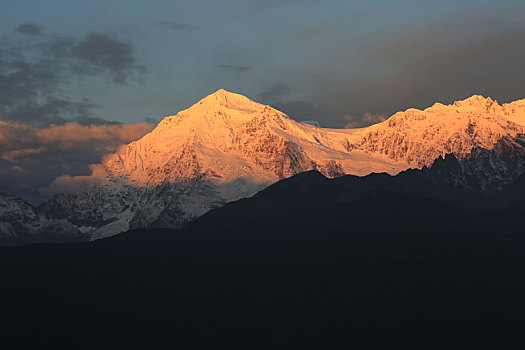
(106, 53)
(176, 26)
(302, 110)
(365, 120)
(87, 120)
(437, 62)
(20, 137)
(149, 120)
(57, 150)
(34, 75)
(69, 184)
(275, 93)
(357, 67)
(29, 29)
(16, 154)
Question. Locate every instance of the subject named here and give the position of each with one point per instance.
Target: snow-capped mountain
(419, 137)
(227, 146)
(227, 137)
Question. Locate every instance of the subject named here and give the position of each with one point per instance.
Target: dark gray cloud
(275, 93)
(176, 26)
(238, 69)
(33, 77)
(370, 76)
(30, 29)
(152, 121)
(87, 120)
(31, 92)
(103, 52)
(306, 110)
(443, 62)
(364, 120)
(95, 54)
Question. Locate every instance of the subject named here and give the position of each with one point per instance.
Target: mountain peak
(478, 104)
(228, 99)
(476, 101)
(223, 94)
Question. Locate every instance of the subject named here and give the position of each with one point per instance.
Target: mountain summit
(227, 147)
(225, 137)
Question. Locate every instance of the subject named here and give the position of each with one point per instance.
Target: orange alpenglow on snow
(226, 137)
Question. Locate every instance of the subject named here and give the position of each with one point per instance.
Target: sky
(109, 70)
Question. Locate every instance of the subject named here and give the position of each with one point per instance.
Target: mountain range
(227, 147)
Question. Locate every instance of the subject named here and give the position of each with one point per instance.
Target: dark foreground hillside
(306, 263)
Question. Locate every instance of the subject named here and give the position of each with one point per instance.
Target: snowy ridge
(419, 137)
(227, 146)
